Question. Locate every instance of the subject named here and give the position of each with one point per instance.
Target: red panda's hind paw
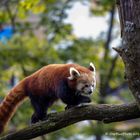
(34, 119)
(44, 118)
(1, 128)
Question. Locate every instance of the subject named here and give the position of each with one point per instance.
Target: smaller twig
(118, 50)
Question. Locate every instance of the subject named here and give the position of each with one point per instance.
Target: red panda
(69, 82)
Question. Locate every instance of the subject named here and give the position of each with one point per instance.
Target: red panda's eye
(86, 85)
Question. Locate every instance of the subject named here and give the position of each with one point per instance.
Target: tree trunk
(129, 11)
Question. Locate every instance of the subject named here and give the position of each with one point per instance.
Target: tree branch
(111, 70)
(109, 35)
(102, 112)
(12, 16)
(117, 89)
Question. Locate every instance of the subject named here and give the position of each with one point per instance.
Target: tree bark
(129, 11)
(103, 112)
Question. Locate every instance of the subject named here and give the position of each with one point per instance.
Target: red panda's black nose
(90, 92)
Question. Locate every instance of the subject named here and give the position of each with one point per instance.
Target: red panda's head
(83, 79)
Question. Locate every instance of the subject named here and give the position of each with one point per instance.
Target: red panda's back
(48, 77)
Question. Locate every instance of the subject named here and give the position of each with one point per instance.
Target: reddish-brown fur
(39, 83)
(10, 102)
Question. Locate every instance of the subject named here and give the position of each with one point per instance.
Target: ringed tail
(10, 103)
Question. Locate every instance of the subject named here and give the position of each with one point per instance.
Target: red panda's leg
(39, 114)
(40, 108)
(34, 118)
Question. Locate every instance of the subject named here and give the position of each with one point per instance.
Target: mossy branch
(101, 112)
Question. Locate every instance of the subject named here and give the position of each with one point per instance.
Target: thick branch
(102, 112)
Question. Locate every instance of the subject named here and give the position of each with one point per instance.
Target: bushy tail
(10, 103)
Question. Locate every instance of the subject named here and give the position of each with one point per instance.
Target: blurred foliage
(100, 7)
(42, 37)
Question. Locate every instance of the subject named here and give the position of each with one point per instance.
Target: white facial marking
(92, 88)
(79, 86)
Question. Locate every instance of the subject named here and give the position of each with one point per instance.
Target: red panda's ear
(73, 73)
(92, 67)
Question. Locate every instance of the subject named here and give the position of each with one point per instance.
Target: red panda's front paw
(83, 104)
(68, 107)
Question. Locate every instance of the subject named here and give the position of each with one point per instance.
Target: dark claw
(68, 107)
